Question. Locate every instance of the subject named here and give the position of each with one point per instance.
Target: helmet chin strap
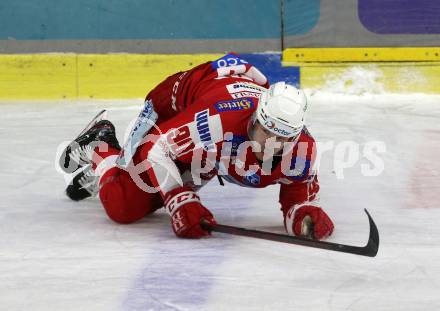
(251, 126)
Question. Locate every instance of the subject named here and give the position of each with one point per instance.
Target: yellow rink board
(395, 69)
(107, 76)
(38, 76)
(409, 77)
(362, 54)
(103, 76)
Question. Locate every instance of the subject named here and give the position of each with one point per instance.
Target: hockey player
(219, 118)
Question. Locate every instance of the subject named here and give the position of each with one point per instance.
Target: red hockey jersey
(202, 131)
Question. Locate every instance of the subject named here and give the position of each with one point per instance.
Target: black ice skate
(83, 185)
(78, 154)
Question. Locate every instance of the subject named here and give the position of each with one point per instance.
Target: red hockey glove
(308, 220)
(186, 211)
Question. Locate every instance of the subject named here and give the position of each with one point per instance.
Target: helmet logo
(281, 131)
(269, 124)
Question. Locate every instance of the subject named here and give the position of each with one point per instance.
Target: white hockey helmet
(282, 109)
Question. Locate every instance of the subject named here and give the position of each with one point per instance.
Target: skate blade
(100, 116)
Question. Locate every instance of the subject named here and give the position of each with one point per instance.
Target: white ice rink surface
(56, 254)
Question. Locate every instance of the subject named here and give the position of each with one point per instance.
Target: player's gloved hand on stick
(186, 211)
(308, 220)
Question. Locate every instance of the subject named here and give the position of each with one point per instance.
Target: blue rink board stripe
(270, 65)
(138, 19)
(180, 274)
(154, 19)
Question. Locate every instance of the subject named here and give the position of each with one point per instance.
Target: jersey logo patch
(245, 94)
(252, 179)
(244, 87)
(299, 168)
(202, 125)
(235, 142)
(235, 104)
(227, 61)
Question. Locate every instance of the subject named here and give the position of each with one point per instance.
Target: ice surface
(56, 254)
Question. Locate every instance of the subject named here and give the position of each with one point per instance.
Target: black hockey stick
(368, 250)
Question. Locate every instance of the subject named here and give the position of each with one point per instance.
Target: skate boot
(78, 154)
(83, 185)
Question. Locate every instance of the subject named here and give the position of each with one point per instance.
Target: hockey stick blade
(369, 250)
